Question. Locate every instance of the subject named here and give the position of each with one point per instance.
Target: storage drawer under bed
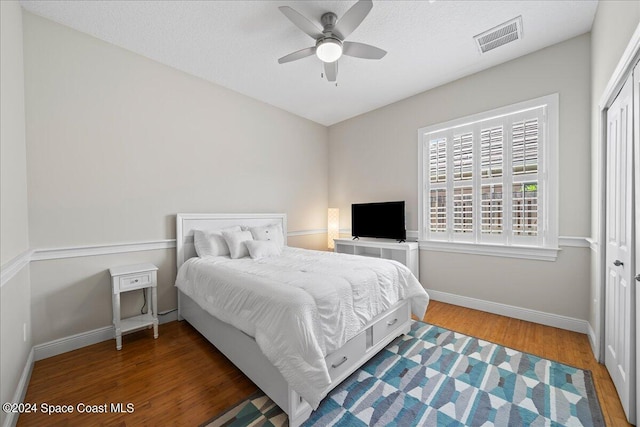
(342, 359)
(389, 323)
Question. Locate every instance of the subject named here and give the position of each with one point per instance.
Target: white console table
(405, 253)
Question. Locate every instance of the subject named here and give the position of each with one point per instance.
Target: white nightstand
(129, 278)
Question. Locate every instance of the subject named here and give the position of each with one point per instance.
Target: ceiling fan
(330, 40)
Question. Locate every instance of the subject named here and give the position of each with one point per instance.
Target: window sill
(526, 252)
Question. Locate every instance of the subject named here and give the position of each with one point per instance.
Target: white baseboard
(549, 319)
(73, 342)
(21, 390)
(84, 339)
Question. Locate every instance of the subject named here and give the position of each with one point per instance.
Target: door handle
(618, 263)
(638, 277)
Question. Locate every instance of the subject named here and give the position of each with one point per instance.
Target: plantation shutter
(438, 160)
(437, 165)
(484, 182)
(524, 165)
(462, 200)
(492, 149)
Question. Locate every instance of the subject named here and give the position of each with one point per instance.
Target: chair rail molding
(106, 249)
(306, 232)
(14, 266)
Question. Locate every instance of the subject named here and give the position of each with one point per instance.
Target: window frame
(545, 245)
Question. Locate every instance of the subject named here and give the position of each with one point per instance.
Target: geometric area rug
(436, 377)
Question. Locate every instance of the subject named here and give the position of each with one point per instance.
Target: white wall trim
(593, 244)
(84, 339)
(74, 342)
(567, 241)
(592, 341)
(624, 66)
(13, 267)
(525, 252)
(111, 248)
(21, 390)
(307, 232)
(573, 241)
(117, 248)
(614, 85)
(549, 319)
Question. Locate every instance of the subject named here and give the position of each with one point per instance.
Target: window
(489, 182)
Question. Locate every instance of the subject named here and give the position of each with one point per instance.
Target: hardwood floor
(181, 379)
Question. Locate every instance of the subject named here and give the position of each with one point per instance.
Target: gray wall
(15, 293)
(117, 144)
(613, 26)
(373, 157)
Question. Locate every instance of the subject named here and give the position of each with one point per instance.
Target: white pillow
(236, 242)
(271, 232)
(211, 243)
(262, 248)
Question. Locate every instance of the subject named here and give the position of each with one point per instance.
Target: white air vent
(502, 34)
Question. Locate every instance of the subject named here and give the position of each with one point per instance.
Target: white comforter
(300, 306)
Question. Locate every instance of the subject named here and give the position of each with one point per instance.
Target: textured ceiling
(236, 44)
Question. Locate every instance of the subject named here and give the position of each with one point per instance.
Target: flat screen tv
(383, 220)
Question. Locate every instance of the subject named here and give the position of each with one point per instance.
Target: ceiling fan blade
(299, 54)
(361, 50)
(301, 22)
(331, 70)
(352, 18)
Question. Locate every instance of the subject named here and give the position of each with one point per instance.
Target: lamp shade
(329, 50)
(333, 226)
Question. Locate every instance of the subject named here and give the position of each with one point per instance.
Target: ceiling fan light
(329, 50)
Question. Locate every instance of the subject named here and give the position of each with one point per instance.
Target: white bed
(342, 358)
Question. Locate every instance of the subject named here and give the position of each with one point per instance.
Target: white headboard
(187, 222)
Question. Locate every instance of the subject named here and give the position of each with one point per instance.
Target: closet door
(620, 319)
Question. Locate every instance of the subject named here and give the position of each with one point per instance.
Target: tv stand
(403, 252)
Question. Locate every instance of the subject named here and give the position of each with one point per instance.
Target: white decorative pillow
(271, 232)
(211, 243)
(236, 242)
(262, 248)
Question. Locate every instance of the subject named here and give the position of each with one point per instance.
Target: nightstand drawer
(135, 281)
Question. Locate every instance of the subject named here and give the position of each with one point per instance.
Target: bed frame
(242, 349)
